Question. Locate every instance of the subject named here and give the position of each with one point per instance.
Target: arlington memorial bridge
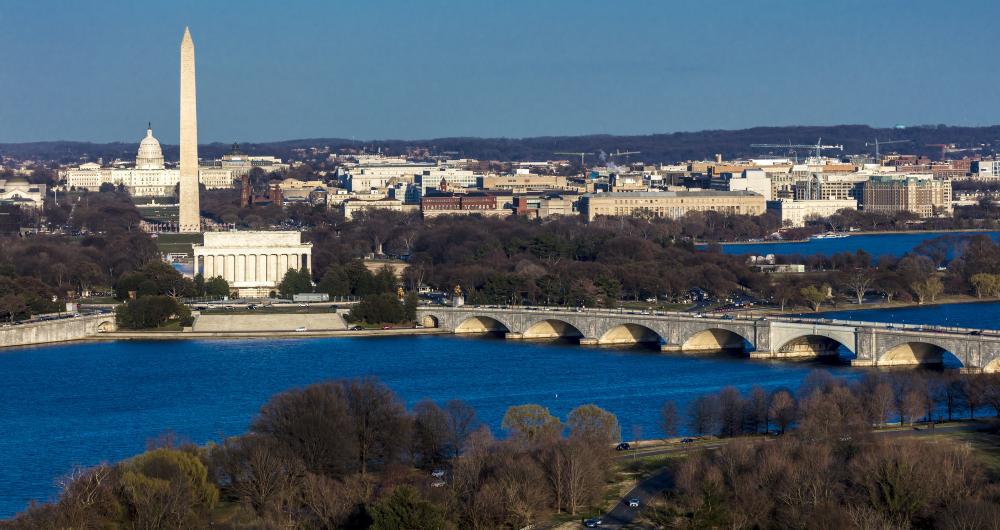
(869, 343)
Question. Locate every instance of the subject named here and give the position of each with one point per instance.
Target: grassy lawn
(177, 243)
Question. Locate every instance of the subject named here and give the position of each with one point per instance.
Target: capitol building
(149, 177)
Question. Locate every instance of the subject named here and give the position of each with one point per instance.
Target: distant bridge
(871, 343)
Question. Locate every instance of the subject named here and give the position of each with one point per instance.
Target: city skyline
(394, 71)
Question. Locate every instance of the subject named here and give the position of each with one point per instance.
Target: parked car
(437, 473)
(593, 522)
(624, 446)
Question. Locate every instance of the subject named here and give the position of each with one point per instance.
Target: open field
(177, 243)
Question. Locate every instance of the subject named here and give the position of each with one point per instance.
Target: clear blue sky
(99, 70)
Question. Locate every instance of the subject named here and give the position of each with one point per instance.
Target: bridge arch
(992, 367)
(918, 352)
(630, 333)
(106, 326)
(482, 324)
(430, 321)
(551, 328)
(715, 338)
(814, 344)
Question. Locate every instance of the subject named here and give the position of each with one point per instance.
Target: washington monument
(190, 218)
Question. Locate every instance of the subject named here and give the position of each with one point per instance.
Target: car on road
(593, 522)
(437, 473)
(386, 327)
(300, 328)
(357, 328)
(686, 440)
(633, 503)
(624, 446)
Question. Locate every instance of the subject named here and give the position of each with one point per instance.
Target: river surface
(82, 404)
(874, 244)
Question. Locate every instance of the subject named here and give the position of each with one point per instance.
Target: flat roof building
(671, 204)
(920, 194)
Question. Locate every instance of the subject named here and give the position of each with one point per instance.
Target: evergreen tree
(295, 282)
(335, 282)
(410, 306)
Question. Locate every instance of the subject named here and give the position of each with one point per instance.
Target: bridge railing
(727, 316)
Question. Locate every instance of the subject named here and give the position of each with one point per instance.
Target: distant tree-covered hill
(653, 147)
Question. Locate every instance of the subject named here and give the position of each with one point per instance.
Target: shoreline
(952, 300)
(851, 234)
(190, 335)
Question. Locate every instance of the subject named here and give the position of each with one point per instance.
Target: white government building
(252, 262)
(20, 192)
(148, 178)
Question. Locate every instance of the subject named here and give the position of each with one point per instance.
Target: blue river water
(81, 404)
(62, 406)
(874, 244)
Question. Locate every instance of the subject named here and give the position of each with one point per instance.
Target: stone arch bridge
(869, 343)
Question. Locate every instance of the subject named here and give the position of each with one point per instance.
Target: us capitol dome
(150, 156)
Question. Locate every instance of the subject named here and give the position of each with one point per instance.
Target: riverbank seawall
(59, 330)
(239, 323)
(188, 335)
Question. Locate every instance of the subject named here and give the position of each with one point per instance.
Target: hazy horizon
(99, 71)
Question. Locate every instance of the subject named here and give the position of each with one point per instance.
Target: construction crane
(619, 152)
(819, 147)
(951, 148)
(877, 143)
(581, 155)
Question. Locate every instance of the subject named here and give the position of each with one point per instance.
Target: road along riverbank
(191, 335)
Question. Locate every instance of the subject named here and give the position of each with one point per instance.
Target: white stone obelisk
(190, 214)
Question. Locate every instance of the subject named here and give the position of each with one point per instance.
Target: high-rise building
(190, 211)
(920, 194)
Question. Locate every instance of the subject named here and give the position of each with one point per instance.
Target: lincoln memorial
(252, 262)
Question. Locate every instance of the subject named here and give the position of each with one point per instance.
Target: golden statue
(400, 293)
(457, 290)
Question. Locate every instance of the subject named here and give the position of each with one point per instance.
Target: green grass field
(177, 243)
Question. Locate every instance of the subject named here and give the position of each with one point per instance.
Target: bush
(378, 308)
(151, 312)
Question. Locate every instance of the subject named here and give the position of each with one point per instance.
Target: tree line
(831, 470)
(347, 454)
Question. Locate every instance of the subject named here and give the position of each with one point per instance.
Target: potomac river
(81, 404)
(895, 244)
